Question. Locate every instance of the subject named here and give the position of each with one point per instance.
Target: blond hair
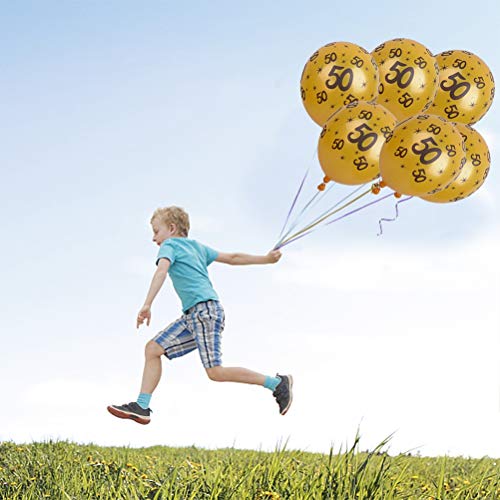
(173, 215)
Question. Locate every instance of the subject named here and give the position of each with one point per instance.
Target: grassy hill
(65, 470)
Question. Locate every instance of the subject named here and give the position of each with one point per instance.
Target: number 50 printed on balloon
(350, 143)
(466, 87)
(408, 75)
(337, 74)
(423, 155)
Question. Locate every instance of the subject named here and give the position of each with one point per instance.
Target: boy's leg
(173, 341)
(176, 340)
(235, 374)
(139, 410)
(281, 385)
(207, 326)
(152, 367)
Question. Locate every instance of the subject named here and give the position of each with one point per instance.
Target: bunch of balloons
(402, 114)
(399, 117)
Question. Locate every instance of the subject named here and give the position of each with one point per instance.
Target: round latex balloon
(474, 172)
(408, 75)
(349, 145)
(423, 155)
(466, 87)
(336, 75)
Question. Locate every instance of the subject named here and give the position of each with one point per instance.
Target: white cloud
(437, 390)
(380, 268)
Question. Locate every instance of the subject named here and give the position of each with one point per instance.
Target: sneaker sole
(132, 416)
(290, 380)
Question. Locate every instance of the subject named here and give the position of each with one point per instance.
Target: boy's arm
(156, 284)
(157, 281)
(240, 259)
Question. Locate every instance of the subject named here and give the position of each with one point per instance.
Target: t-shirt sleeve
(210, 254)
(166, 252)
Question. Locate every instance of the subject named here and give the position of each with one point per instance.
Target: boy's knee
(153, 349)
(216, 373)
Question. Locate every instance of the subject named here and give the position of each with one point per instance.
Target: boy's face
(162, 231)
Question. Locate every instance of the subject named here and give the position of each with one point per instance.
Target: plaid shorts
(200, 327)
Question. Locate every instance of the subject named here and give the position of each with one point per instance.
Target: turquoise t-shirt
(188, 269)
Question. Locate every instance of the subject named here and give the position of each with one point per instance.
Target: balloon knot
(321, 187)
(382, 184)
(397, 195)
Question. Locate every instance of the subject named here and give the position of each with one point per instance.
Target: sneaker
(133, 411)
(283, 392)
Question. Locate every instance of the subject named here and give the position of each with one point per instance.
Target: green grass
(64, 470)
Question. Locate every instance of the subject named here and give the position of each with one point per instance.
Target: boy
(201, 325)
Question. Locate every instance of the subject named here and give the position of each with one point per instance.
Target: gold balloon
(349, 145)
(466, 87)
(423, 155)
(474, 172)
(408, 75)
(335, 75)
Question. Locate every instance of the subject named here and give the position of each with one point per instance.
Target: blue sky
(112, 109)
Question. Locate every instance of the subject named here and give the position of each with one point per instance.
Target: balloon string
(321, 216)
(308, 228)
(394, 218)
(297, 197)
(298, 237)
(352, 193)
(294, 201)
(311, 203)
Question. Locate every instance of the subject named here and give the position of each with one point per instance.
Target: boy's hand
(144, 314)
(273, 256)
